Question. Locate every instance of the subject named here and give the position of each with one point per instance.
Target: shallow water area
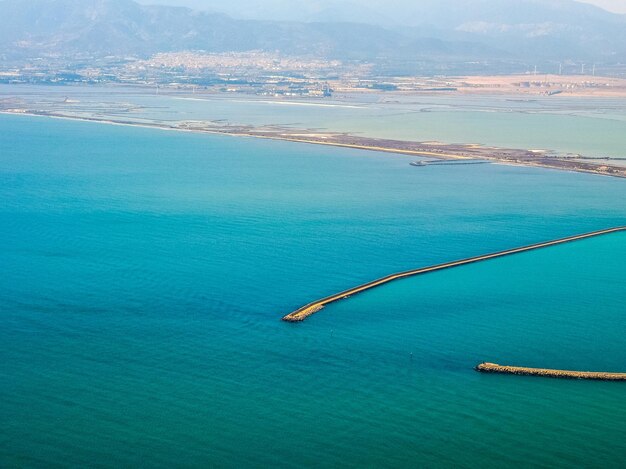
(591, 126)
(145, 272)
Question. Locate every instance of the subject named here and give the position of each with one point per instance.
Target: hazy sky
(618, 6)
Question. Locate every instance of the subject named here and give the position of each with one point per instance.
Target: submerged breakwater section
(311, 308)
(547, 373)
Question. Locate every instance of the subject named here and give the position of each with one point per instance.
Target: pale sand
(555, 163)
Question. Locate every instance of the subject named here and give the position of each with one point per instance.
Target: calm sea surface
(144, 273)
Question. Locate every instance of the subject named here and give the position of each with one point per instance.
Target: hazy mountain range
(390, 12)
(396, 29)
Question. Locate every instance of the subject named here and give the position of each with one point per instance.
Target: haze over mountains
(381, 12)
(522, 30)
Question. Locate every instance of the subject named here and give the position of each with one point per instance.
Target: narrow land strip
(548, 373)
(311, 308)
(511, 156)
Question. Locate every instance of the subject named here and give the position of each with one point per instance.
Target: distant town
(273, 74)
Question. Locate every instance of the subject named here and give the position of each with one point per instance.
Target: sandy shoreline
(438, 150)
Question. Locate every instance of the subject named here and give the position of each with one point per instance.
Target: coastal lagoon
(144, 274)
(591, 126)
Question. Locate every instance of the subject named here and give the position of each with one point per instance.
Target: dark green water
(144, 274)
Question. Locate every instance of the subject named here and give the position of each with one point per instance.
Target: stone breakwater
(547, 373)
(311, 308)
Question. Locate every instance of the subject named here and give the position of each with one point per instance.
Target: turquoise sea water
(144, 273)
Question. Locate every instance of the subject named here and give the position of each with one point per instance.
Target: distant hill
(428, 29)
(442, 13)
(32, 27)
(527, 29)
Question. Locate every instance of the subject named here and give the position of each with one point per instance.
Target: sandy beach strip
(516, 157)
